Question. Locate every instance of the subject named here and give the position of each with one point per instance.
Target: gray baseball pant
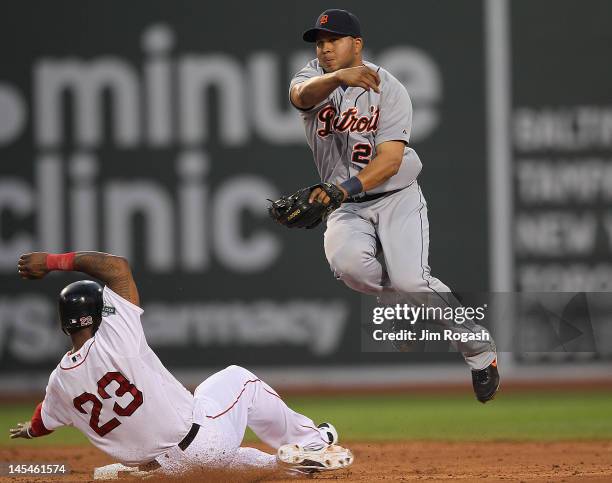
(396, 229)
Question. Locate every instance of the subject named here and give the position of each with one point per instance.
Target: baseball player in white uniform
(115, 390)
(357, 119)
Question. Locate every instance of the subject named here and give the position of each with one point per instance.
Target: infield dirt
(567, 461)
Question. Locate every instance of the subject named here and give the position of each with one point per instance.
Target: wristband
(62, 261)
(37, 427)
(352, 186)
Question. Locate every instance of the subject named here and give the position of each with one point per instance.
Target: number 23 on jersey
(125, 386)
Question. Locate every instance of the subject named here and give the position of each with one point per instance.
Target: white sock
(247, 458)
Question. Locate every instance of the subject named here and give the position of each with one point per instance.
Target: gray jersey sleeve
(309, 71)
(395, 120)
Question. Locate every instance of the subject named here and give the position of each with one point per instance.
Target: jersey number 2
(361, 153)
(125, 386)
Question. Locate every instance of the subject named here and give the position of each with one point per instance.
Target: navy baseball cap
(334, 21)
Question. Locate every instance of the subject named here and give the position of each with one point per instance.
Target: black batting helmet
(80, 306)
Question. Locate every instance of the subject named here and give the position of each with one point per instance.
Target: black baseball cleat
(486, 382)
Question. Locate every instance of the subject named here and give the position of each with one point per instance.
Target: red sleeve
(37, 428)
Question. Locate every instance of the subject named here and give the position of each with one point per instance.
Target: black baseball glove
(294, 211)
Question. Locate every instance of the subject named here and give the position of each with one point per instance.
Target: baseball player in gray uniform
(357, 119)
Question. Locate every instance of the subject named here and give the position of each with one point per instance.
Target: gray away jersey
(344, 130)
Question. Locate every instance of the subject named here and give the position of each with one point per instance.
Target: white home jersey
(117, 392)
(344, 129)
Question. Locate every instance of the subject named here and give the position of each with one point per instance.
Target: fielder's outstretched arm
(309, 93)
(114, 271)
(387, 162)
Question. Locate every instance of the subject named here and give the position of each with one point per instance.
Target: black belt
(184, 444)
(187, 440)
(364, 198)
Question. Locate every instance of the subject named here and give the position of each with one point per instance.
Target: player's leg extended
(235, 398)
(403, 230)
(350, 248)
